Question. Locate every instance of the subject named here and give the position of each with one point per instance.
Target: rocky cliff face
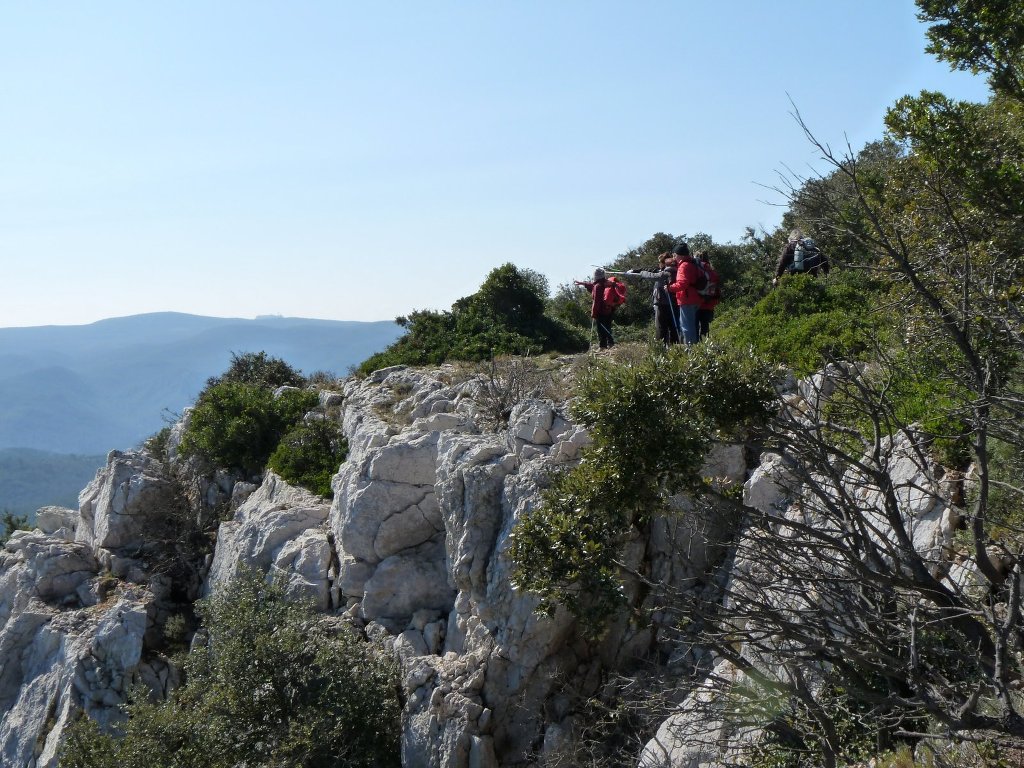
(412, 550)
(78, 612)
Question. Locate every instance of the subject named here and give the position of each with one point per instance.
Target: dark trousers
(604, 331)
(704, 318)
(665, 322)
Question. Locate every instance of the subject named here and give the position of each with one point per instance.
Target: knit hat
(681, 250)
(598, 274)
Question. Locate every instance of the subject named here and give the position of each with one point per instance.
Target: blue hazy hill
(86, 389)
(31, 479)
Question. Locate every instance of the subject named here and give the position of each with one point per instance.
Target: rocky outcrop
(78, 611)
(118, 508)
(413, 550)
(68, 641)
(422, 515)
(280, 530)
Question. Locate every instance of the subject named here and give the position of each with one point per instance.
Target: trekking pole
(610, 271)
(672, 309)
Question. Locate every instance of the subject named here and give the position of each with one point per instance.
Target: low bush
(504, 317)
(275, 685)
(309, 454)
(11, 523)
(807, 320)
(238, 425)
(259, 369)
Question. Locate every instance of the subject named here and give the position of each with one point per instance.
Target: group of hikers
(687, 288)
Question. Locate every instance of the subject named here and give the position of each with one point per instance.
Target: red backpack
(614, 292)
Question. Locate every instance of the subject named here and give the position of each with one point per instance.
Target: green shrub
(652, 422)
(806, 320)
(238, 425)
(11, 523)
(1005, 502)
(156, 444)
(276, 686)
(504, 317)
(259, 369)
(309, 455)
(921, 392)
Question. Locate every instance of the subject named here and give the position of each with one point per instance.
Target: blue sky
(356, 161)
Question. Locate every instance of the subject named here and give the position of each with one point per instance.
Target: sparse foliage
(259, 369)
(12, 523)
(505, 382)
(652, 423)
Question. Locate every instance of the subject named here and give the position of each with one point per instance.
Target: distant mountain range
(86, 389)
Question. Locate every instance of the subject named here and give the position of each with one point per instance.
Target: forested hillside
(32, 479)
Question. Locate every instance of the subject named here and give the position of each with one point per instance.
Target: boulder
(127, 499)
(52, 519)
(278, 525)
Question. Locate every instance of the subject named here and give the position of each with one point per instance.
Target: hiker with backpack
(666, 322)
(800, 255)
(689, 281)
(608, 293)
(711, 294)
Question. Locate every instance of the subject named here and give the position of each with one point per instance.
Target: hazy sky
(355, 161)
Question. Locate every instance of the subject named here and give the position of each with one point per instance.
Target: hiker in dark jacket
(599, 310)
(814, 262)
(665, 321)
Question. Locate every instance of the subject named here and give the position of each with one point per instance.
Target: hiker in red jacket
(711, 296)
(600, 310)
(687, 296)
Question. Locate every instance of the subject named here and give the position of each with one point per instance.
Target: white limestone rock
(410, 462)
(697, 736)
(571, 441)
(768, 486)
(45, 567)
(51, 519)
(531, 420)
(58, 658)
(422, 517)
(371, 506)
(726, 463)
(126, 499)
(303, 565)
(274, 518)
(403, 584)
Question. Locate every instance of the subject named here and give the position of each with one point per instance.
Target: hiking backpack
(805, 255)
(614, 292)
(701, 285)
(712, 283)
